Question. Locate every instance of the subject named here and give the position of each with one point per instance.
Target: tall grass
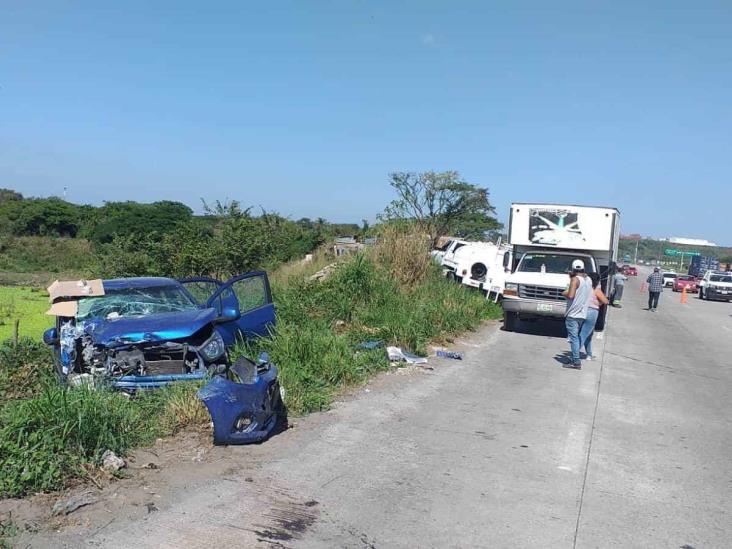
(320, 324)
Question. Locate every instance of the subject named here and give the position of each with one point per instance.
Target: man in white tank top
(578, 297)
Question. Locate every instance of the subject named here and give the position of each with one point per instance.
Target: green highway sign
(675, 252)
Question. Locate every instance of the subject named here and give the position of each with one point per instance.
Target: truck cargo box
(564, 226)
(701, 264)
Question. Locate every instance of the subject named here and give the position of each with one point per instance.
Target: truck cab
(535, 288)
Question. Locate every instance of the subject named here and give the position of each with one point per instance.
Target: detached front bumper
(534, 307)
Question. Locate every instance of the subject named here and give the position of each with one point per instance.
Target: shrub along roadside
(320, 324)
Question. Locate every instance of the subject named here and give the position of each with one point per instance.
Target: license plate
(544, 308)
(496, 289)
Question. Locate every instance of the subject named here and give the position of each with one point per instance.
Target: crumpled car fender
(243, 412)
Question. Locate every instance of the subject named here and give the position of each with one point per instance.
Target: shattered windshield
(551, 263)
(135, 302)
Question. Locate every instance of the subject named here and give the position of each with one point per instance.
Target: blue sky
(305, 107)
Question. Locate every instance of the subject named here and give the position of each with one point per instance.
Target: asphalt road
(503, 449)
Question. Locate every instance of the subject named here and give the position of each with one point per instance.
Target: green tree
(6, 195)
(123, 219)
(441, 203)
(40, 217)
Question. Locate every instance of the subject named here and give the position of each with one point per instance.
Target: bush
(23, 367)
(319, 324)
(404, 254)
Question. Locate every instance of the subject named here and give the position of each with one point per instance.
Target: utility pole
(637, 242)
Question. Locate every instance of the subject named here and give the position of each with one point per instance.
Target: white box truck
(546, 238)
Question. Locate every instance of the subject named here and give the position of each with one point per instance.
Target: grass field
(24, 304)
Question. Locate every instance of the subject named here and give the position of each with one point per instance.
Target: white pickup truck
(546, 238)
(487, 269)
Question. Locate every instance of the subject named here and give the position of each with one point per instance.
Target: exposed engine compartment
(80, 354)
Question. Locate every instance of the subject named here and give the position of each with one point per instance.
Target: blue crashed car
(147, 332)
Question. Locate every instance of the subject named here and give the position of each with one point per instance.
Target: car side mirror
(50, 336)
(228, 314)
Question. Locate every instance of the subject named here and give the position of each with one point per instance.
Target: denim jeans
(574, 325)
(588, 328)
(653, 299)
(618, 293)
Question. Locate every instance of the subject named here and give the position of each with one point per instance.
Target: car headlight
(512, 286)
(213, 347)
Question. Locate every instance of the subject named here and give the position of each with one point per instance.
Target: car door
(250, 295)
(201, 288)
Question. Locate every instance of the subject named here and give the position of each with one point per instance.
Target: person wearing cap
(578, 297)
(655, 287)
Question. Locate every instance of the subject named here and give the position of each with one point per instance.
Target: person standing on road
(619, 284)
(655, 287)
(578, 299)
(597, 299)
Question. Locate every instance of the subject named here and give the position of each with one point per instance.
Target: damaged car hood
(157, 327)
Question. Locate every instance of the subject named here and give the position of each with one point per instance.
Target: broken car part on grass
(246, 405)
(142, 333)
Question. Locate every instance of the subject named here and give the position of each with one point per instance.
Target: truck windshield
(552, 263)
(135, 302)
(721, 278)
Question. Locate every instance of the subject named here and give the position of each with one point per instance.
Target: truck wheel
(510, 321)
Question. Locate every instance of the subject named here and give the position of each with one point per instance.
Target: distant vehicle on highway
(669, 278)
(716, 285)
(631, 271)
(685, 281)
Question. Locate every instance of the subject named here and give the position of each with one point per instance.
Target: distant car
(685, 281)
(669, 279)
(716, 285)
(631, 271)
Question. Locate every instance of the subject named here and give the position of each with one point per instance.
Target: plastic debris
(450, 354)
(397, 354)
(370, 345)
(111, 462)
(73, 503)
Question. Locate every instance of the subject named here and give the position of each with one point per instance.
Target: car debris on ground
(449, 354)
(111, 462)
(67, 506)
(247, 405)
(397, 354)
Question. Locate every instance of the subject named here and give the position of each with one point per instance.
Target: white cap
(578, 265)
